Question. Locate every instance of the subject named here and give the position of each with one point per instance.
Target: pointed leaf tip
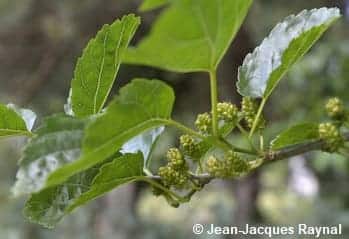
(98, 66)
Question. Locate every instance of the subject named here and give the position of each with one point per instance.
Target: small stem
(147, 172)
(166, 190)
(290, 151)
(256, 119)
(242, 130)
(245, 133)
(195, 186)
(214, 101)
(190, 195)
(200, 168)
(238, 149)
(269, 157)
(261, 142)
(213, 140)
(185, 128)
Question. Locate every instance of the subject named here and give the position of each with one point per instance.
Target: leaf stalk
(214, 101)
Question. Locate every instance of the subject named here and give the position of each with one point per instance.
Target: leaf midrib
(85, 161)
(130, 130)
(15, 132)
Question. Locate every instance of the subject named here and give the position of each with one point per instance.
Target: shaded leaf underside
(50, 205)
(288, 41)
(57, 143)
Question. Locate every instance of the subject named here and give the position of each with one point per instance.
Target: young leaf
(50, 205)
(262, 70)
(148, 5)
(96, 70)
(15, 122)
(296, 135)
(197, 45)
(141, 105)
(57, 143)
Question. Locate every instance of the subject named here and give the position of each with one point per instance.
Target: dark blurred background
(40, 41)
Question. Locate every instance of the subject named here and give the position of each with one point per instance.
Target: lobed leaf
(141, 105)
(15, 121)
(197, 45)
(49, 206)
(262, 70)
(57, 143)
(297, 134)
(98, 66)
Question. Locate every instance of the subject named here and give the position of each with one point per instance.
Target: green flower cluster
(204, 123)
(249, 110)
(335, 109)
(331, 135)
(189, 146)
(231, 166)
(175, 173)
(227, 112)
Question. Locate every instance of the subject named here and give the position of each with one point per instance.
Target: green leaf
(96, 70)
(191, 35)
(141, 105)
(50, 205)
(28, 116)
(57, 143)
(149, 5)
(262, 70)
(296, 135)
(122, 170)
(15, 121)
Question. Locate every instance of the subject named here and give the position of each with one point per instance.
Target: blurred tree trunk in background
(246, 193)
(245, 190)
(112, 217)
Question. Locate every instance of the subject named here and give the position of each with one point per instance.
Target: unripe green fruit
(335, 108)
(227, 111)
(168, 175)
(236, 164)
(232, 166)
(172, 177)
(249, 110)
(204, 122)
(214, 167)
(175, 158)
(188, 145)
(331, 136)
